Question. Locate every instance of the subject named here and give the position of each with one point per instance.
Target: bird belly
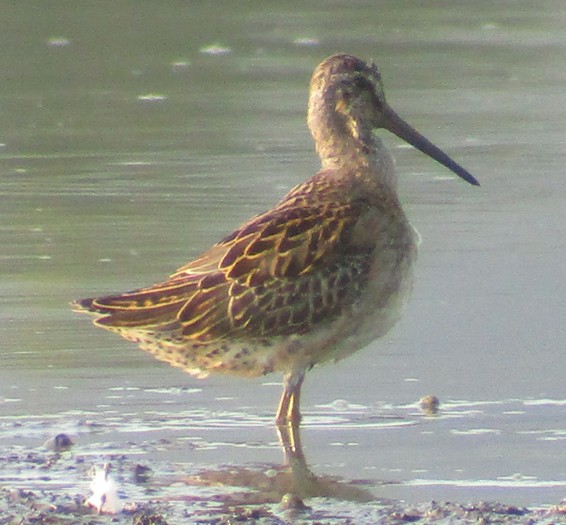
(379, 306)
(370, 316)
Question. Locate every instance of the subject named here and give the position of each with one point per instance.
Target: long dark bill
(396, 125)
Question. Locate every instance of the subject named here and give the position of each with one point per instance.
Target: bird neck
(339, 146)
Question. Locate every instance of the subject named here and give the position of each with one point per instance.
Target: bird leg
(289, 411)
(290, 440)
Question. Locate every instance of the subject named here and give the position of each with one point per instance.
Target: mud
(165, 494)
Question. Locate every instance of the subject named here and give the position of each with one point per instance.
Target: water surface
(131, 142)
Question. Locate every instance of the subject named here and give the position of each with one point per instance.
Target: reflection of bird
(313, 279)
(287, 484)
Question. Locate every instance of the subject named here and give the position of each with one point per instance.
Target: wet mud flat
(161, 455)
(51, 486)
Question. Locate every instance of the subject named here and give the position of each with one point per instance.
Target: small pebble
(59, 443)
(429, 404)
(141, 473)
(291, 501)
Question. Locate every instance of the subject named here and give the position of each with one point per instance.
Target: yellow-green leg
(289, 411)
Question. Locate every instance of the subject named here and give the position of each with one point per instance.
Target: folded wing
(280, 273)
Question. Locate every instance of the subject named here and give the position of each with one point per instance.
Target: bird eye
(362, 83)
(346, 94)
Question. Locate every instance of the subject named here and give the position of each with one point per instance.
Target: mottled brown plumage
(315, 278)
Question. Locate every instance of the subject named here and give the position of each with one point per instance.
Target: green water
(133, 135)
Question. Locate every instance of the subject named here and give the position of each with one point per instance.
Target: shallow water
(128, 145)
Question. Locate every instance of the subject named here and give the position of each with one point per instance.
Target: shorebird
(317, 277)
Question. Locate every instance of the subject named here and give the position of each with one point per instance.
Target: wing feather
(281, 273)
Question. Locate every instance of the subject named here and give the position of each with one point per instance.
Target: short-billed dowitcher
(317, 277)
